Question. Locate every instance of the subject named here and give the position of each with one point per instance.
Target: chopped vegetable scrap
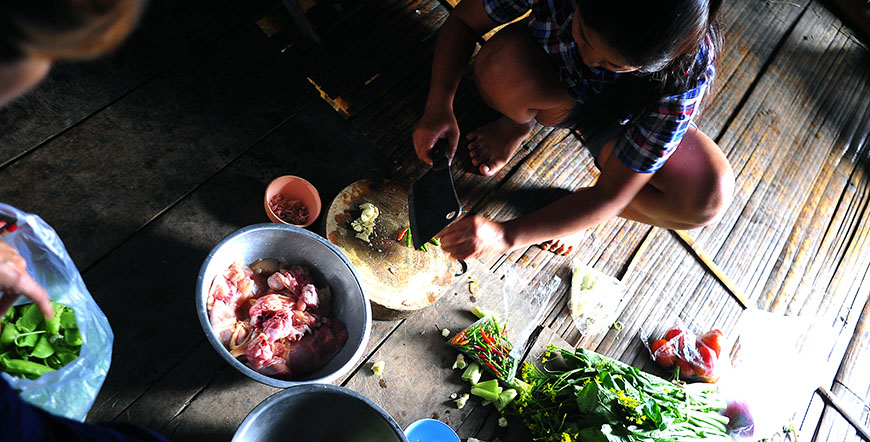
(289, 211)
(378, 368)
(486, 341)
(365, 224)
(502, 422)
(445, 332)
(460, 402)
(595, 398)
(460, 362)
(31, 345)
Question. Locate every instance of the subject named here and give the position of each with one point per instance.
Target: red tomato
(672, 333)
(712, 339)
(686, 370)
(706, 363)
(663, 353)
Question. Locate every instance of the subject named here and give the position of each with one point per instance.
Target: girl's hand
(436, 123)
(15, 281)
(474, 237)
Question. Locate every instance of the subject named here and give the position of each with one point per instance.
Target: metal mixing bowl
(315, 413)
(328, 266)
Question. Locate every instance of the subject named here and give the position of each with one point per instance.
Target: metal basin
(328, 266)
(318, 413)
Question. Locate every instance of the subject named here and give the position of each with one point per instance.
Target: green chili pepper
(408, 239)
(424, 248)
(9, 333)
(435, 241)
(26, 367)
(42, 349)
(31, 316)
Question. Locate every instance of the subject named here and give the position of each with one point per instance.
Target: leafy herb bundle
(595, 398)
(486, 341)
(31, 345)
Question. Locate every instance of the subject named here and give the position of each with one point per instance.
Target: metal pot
(315, 413)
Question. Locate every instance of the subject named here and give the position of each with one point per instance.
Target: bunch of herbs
(591, 397)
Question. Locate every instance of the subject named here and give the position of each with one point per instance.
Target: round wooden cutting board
(398, 280)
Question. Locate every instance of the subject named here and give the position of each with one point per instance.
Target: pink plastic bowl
(293, 188)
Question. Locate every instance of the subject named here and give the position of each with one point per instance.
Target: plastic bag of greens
(69, 391)
(498, 338)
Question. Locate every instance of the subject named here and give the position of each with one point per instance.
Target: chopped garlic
(462, 400)
(378, 368)
(454, 395)
(460, 362)
(365, 224)
(445, 332)
(502, 422)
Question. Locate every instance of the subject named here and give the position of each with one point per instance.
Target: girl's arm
(617, 186)
(453, 49)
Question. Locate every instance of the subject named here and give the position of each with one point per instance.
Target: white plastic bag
(779, 363)
(595, 299)
(71, 390)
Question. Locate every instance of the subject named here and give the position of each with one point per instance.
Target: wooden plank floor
(145, 159)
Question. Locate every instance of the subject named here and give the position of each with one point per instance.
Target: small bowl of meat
(292, 200)
(283, 306)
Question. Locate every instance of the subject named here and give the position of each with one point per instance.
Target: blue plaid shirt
(649, 139)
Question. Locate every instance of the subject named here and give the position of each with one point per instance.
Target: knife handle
(439, 154)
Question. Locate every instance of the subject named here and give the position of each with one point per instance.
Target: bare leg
(691, 190)
(517, 78)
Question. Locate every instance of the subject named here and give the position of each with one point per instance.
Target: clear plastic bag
(595, 299)
(775, 364)
(507, 323)
(71, 390)
(700, 355)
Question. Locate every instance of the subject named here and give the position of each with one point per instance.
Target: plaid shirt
(649, 139)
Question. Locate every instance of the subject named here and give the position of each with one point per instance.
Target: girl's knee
(712, 196)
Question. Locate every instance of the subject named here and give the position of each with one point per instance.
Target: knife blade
(432, 200)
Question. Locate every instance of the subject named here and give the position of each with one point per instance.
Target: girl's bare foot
(564, 246)
(493, 145)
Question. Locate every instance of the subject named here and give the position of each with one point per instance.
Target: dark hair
(64, 29)
(672, 40)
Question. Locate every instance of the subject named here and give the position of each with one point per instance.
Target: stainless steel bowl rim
(202, 311)
(309, 388)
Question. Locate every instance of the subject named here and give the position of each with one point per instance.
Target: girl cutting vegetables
(628, 74)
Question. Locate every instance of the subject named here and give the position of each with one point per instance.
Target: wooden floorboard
(169, 33)
(206, 112)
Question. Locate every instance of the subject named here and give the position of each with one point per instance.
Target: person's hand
(436, 123)
(15, 281)
(474, 237)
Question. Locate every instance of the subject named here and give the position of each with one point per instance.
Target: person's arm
(476, 236)
(453, 49)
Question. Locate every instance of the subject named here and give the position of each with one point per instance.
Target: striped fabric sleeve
(505, 11)
(650, 139)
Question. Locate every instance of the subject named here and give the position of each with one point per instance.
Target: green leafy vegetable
(595, 398)
(31, 345)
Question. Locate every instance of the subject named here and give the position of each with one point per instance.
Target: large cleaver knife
(432, 201)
